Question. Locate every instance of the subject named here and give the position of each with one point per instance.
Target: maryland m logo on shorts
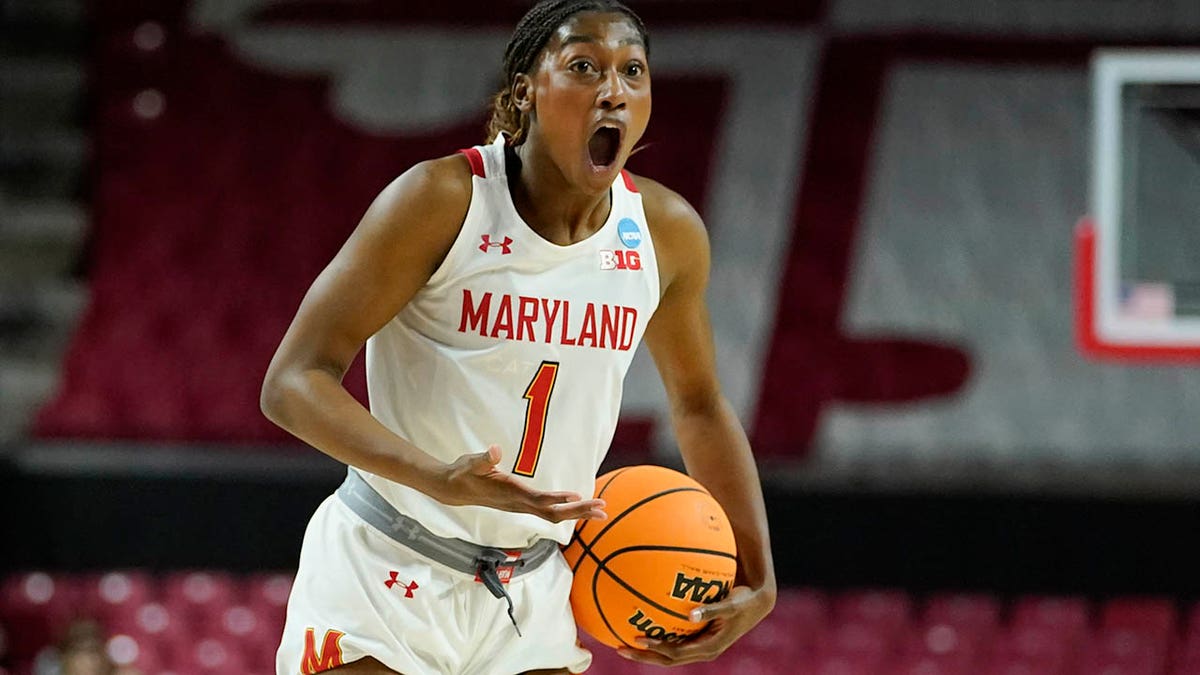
(329, 656)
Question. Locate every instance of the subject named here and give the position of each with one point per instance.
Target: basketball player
(501, 294)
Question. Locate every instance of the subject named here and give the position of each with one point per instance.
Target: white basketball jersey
(519, 342)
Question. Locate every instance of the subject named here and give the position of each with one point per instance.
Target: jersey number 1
(538, 395)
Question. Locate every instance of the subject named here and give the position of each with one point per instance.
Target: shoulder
(680, 238)
(667, 212)
(414, 221)
(437, 186)
(424, 207)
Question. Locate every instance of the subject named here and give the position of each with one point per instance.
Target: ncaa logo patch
(629, 232)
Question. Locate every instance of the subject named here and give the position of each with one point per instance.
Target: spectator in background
(81, 652)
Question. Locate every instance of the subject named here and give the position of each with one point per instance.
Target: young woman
(501, 293)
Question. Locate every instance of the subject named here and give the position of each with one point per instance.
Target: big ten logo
(620, 260)
(698, 589)
(652, 630)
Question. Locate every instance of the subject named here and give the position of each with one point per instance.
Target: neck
(560, 212)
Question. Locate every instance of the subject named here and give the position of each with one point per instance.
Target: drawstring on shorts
(487, 567)
(485, 562)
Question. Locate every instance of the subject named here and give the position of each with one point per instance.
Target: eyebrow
(574, 39)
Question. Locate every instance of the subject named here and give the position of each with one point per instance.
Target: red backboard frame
(1087, 336)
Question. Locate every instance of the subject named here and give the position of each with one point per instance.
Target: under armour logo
(505, 246)
(406, 525)
(408, 588)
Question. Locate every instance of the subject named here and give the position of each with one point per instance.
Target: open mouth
(603, 146)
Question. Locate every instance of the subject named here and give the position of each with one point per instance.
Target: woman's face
(590, 96)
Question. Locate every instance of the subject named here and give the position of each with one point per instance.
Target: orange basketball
(666, 548)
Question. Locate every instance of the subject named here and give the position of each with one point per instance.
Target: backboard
(1137, 263)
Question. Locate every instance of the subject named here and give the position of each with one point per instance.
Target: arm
(711, 439)
(393, 252)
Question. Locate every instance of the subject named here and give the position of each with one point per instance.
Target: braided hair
(526, 45)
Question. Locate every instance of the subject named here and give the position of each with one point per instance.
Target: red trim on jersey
(628, 181)
(476, 161)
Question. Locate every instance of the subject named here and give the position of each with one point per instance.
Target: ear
(522, 93)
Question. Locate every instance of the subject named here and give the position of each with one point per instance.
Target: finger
(589, 505)
(725, 608)
(707, 613)
(592, 509)
(551, 501)
(655, 646)
(703, 646)
(486, 461)
(559, 497)
(642, 656)
(574, 510)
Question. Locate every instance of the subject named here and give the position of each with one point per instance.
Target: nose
(612, 92)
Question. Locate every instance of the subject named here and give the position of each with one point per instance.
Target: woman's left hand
(730, 619)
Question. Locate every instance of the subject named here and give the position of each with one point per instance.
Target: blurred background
(891, 188)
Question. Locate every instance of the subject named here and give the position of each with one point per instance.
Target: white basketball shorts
(358, 593)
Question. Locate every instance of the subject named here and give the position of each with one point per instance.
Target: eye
(635, 69)
(582, 67)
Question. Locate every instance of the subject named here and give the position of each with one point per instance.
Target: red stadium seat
(840, 664)
(858, 638)
(977, 613)
(804, 609)
(242, 622)
(1109, 667)
(149, 224)
(153, 623)
(636, 668)
(260, 658)
(1128, 649)
(1190, 644)
(889, 610)
(142, 653)
(36, 607)
(944, 640)
(604, 659)
(915, 664)
(1020, 666)
(257, 637)
(202, 623)
(1187, 664)
(272, 588)
(794, 624)
(211, 655)
(1033, 645)
(1156, 616)
(117, 593)
(774, 636)
(199, 595)
(742, 664)
(1066, 616)
(268, 595)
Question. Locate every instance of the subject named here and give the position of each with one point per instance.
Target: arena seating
(200, 622)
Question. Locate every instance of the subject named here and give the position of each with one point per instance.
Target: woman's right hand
(475, 479)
